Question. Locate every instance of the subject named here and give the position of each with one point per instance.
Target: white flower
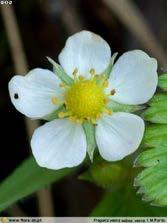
(62, 142)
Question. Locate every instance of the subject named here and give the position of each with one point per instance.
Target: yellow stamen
(105, 84)
(92, 72)
(85, 99)
(98, 116)
(108, 111)
(106, 100)
(54, 100)
(61, 85)
(75, 72)
(93, 121)
(80, 121)
(112, 92)
(72, 118)
(64, 114)
(81, 78)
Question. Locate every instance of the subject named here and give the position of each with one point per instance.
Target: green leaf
(117, 107)
(152, 157)
(162, 83)
(89, 129)
(153, 179)
(105, 174)
(159, 100)
(156, 115)
(124, 202)
(27, 179)
(58, 70)
(157, 112)
(153, 184)
(155, 135)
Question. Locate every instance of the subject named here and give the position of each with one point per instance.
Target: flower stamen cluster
(85, 99)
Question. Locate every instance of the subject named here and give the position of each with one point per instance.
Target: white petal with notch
(59, 144)
(119, 135)
(84, 51)
(32, 94)
(134, 78)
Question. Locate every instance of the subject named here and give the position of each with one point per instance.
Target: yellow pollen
(85, 99)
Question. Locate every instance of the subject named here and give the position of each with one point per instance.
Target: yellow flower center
(85, 99)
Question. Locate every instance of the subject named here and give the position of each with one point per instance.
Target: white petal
(85, 50)
(134, 78)
(58, 144)
(34, 92)
(119, 135)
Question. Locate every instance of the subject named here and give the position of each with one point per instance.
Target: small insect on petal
(16, 96)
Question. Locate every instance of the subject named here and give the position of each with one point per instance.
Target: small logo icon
(6, 2)
(4, 220)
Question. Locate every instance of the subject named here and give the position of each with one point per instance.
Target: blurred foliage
(27, 179)
(105, 174)
(122, 201)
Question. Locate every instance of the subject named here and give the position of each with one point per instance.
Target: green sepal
(58, 70)
(27, 179)
(54, 115)
(89, 129)
(107, 71)
(113, 58)
(162, 82)
(117, 107)
(105, 174)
